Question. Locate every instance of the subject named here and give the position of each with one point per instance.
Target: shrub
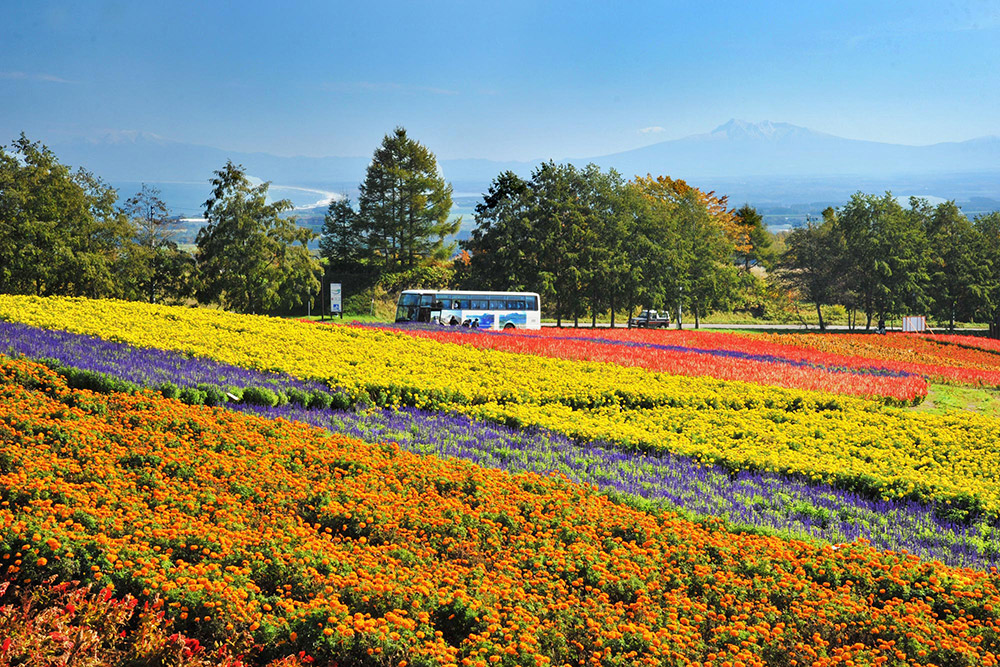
(340, 400)
(168, 390)
(260, 396)
(213, 395)
(297, 397)
(320, 400)
(192, 396)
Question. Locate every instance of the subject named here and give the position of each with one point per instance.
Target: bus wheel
(509, 326)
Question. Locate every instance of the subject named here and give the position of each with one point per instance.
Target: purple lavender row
(766, 502)
(726, 354)
(748, 500)
(143, 366)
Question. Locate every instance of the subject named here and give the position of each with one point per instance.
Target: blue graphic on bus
(519, 320)
(486, 321)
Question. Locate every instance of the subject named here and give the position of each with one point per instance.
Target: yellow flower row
(395, 369)
(834, 438)
(891, 452)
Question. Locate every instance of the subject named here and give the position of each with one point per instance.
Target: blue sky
(498, 80)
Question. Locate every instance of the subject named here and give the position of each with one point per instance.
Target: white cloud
(30, 76)
(655, 129)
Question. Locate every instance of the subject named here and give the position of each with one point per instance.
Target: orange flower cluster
(362, 554)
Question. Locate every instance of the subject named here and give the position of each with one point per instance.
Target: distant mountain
(739, 149)
(752, 162)
(139, 156)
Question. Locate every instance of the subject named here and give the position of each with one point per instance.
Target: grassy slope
(942, 398)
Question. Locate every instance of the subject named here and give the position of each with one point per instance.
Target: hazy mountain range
(740, 149)
(766, 163)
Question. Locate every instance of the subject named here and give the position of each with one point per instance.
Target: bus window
(532, 303)
(426, 299)
(480, 304)
(498, 304)
(409, 300)
(407, 313)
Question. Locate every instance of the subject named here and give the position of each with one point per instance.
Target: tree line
(593, 243)
(590, 242)
(64, 232)
(880, 259)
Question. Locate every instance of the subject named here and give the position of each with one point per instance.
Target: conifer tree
(404, 206)
(340, 242)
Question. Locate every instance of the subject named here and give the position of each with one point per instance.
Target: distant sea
(187, 199)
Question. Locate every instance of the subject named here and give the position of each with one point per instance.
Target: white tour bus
(485, 310)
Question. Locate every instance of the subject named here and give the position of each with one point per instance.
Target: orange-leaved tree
(703, 234)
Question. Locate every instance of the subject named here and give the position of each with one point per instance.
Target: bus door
(430, 308)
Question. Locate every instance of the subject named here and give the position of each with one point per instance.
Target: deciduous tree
(60, 232)
(757, 249)
(251, 258)
(887, 249)
(815, 263)
(701, 235)
(163, 272)
(960, 268)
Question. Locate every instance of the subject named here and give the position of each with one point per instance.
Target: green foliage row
(878, 258)
(207, 393)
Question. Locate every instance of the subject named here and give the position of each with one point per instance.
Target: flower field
(846, 441)
(946, 358)
(288, 492)
(357, 553)
(748, 498)
(718, 355)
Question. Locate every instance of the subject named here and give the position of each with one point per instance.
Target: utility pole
(680, 300)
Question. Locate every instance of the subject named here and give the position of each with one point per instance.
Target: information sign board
(335, 298)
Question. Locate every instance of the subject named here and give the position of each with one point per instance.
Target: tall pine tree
(340, 242)
(404, 206)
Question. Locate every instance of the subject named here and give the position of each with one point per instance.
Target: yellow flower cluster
(851, 441)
